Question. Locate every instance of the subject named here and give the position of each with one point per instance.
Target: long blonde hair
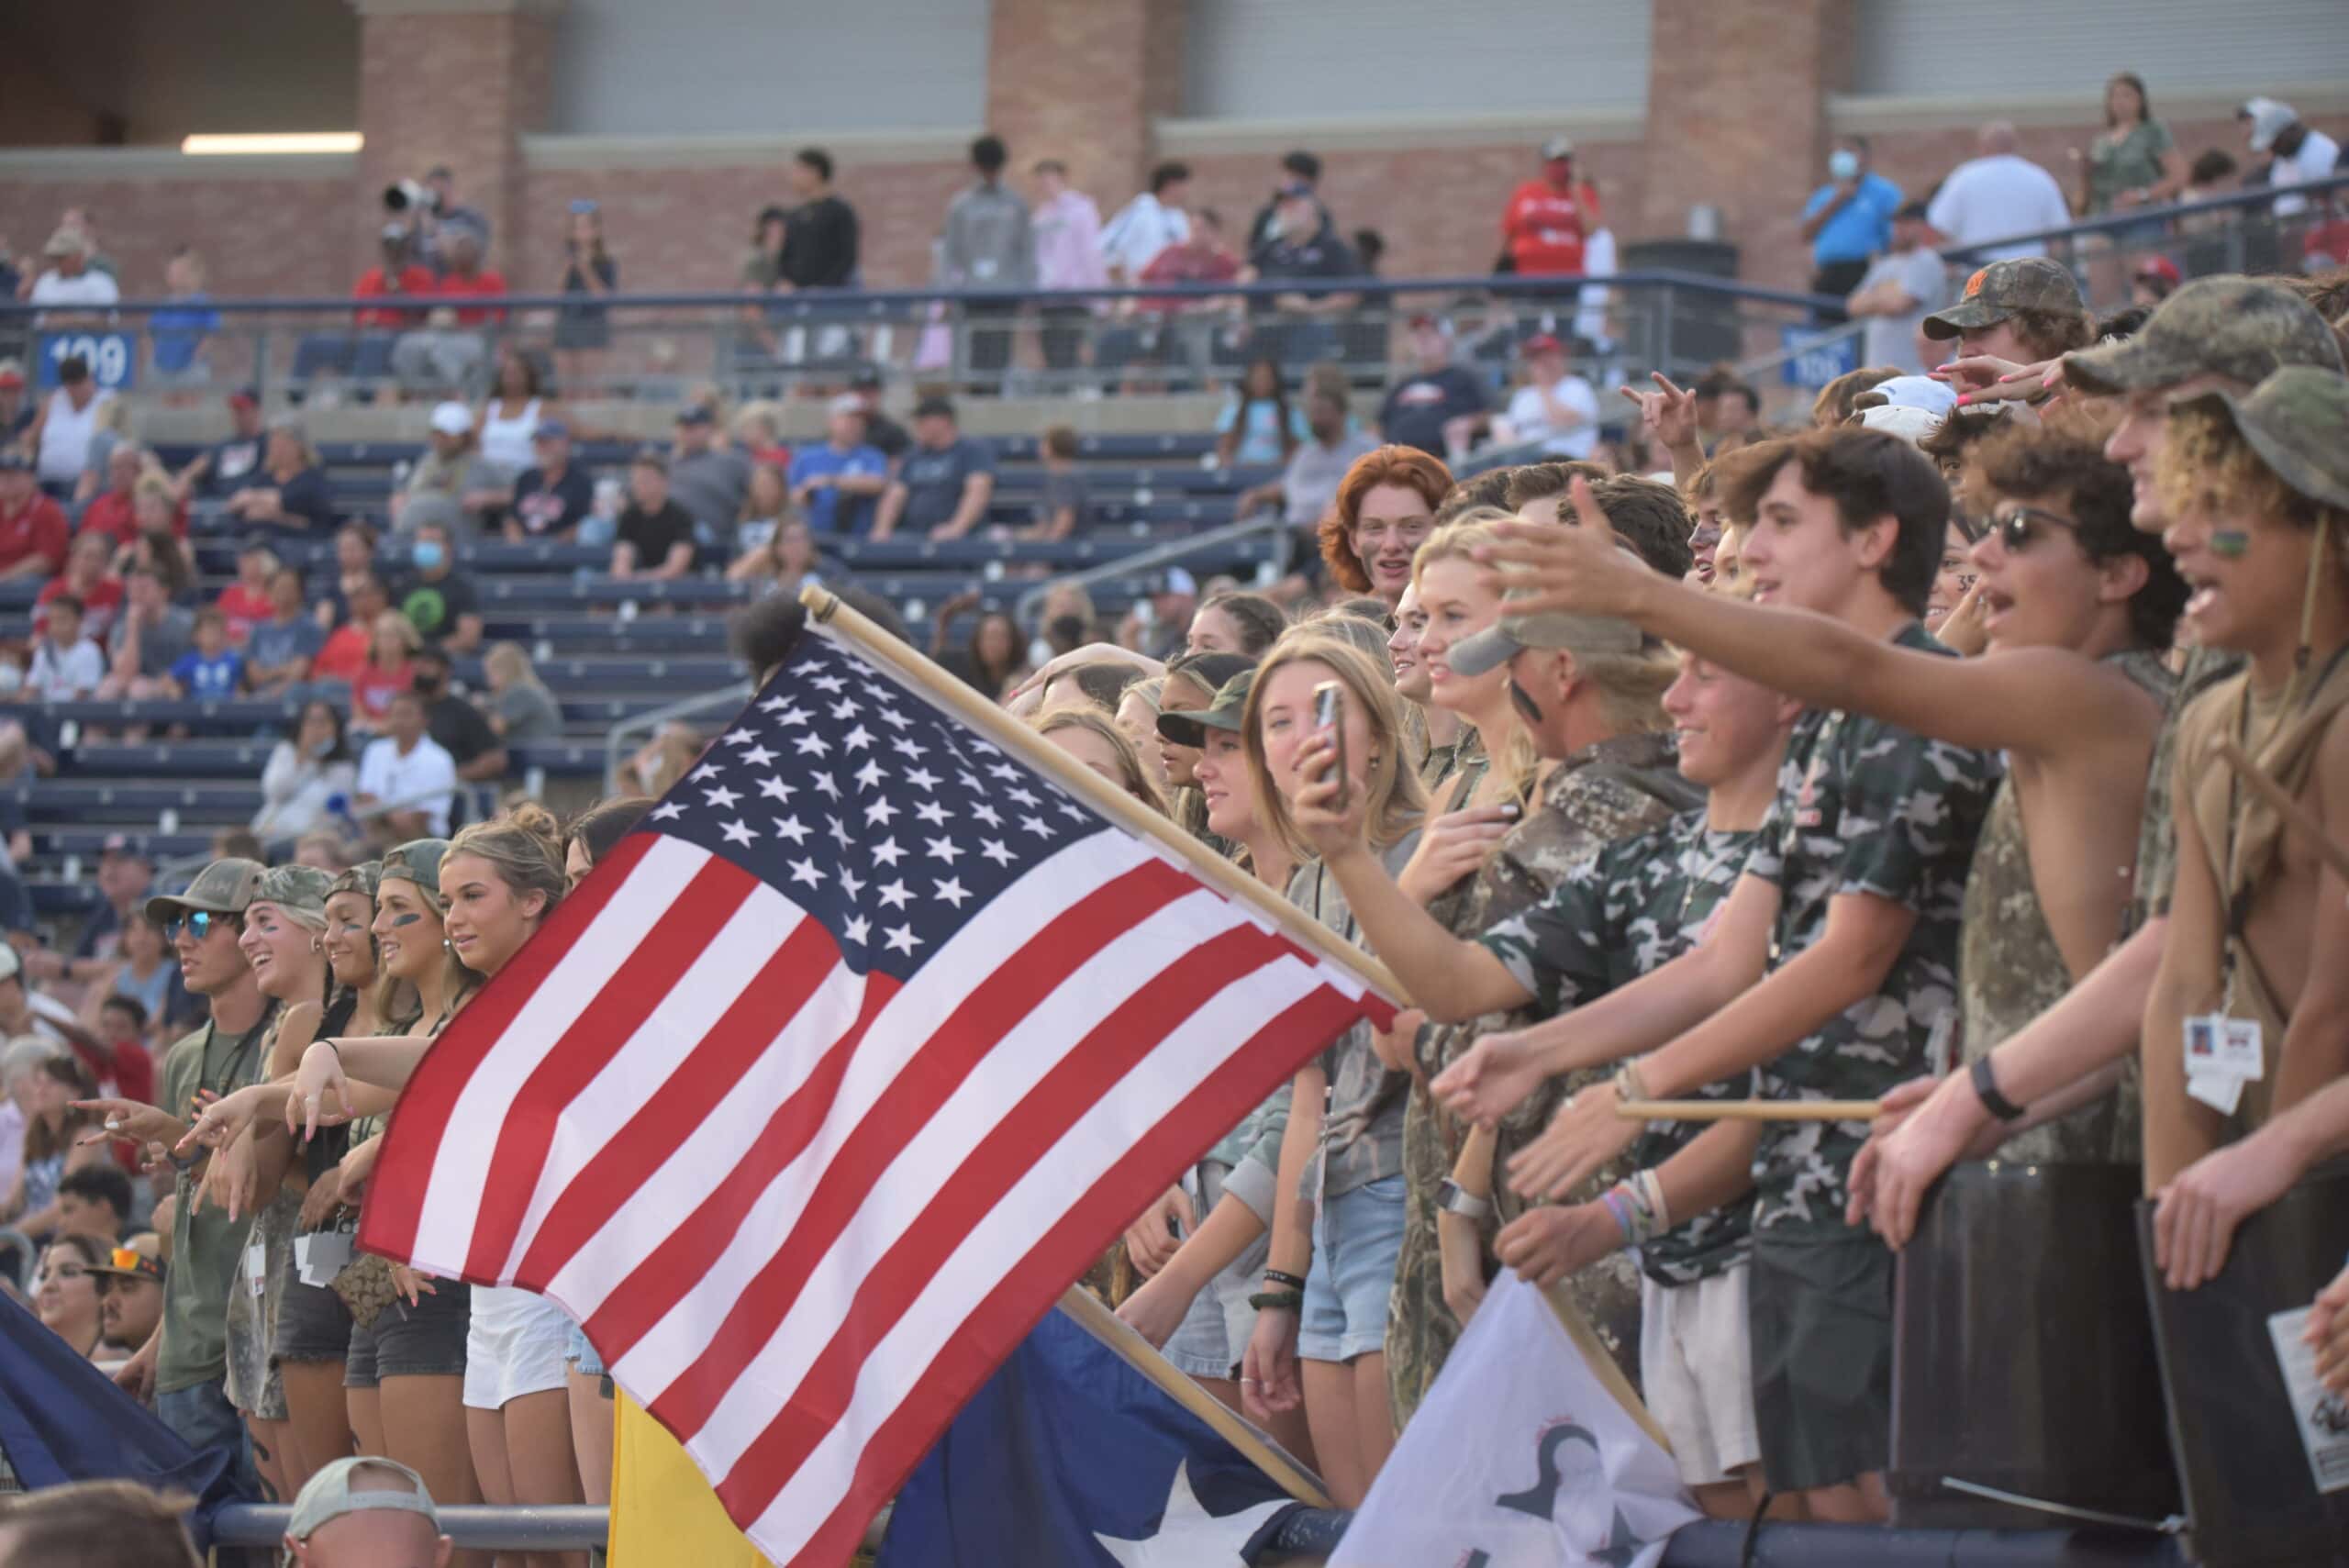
(1395, 802)
(1512, 752)
(524, 847)
(1132, 777)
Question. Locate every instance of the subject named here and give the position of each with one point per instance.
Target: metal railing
(1168, 337)
(1175, 551)
(630, 734)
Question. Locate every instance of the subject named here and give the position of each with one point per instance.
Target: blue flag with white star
(1069, 1458)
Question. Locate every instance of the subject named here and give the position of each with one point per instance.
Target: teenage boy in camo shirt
(1838, 948)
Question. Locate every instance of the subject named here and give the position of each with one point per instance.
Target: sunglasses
(198, 924)
(138, 1264)
(2015, 525)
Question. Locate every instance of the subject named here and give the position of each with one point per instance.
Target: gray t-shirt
(1361, 1131)
(710, 486)
(161, 645)
(1310, 483)
(1063, 489)
(530, 711)
(934, 480)
(1892, 340)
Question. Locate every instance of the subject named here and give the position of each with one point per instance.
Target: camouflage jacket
(1636, 905)
(1862, 808)
(2009, 971)
(1600, 794)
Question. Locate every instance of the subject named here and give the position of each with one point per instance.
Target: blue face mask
(428, 553)
(1842, 164)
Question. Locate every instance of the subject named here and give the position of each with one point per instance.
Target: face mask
(428, 553)
(322, 750)
(1842, 164)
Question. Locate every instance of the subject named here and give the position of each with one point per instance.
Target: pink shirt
(1068, 243)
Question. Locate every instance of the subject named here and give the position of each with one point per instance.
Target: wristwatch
(1454, 1198)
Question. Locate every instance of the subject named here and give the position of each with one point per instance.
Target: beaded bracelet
(1275, 1276)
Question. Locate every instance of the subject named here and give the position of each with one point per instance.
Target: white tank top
(506, 443)
(65, 437)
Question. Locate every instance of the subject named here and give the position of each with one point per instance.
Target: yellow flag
(665, 1514)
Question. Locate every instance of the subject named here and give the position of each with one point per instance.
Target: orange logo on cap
(1974, 283)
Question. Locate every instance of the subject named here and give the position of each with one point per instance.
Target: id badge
(257, 1266)
(2241, 1050)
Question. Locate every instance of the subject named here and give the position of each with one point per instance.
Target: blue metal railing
(2242, 204)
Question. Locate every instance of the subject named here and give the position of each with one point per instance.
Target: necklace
(1704, 876)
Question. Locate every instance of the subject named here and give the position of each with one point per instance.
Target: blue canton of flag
(1069, 1458)
(882, 818)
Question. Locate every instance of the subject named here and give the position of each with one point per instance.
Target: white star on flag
(722, 798)
(901, 939)
(1191, 1537)
(739, 832)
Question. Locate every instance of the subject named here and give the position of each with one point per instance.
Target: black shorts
(313, 1324)
(424, 1341)
(1821, 1316)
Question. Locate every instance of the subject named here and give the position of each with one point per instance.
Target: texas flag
(1070, 1456)
(1519, 1457)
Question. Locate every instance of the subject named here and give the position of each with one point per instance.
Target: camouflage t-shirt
(2157, 839)
(1636, 905)
(1862, 808)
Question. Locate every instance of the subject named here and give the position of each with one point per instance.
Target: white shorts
(1697, 1370)
(514, 1346)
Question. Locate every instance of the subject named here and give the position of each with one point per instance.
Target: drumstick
(2294, 814)
(1750, 1110)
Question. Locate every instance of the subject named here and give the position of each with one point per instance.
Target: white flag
(1519, 1457)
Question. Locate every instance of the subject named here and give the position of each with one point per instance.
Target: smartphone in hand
(1330, 714)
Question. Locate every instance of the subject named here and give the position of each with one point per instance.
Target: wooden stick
(1145, 1358)
(2294, 814)
(1002, 730)
(1750, 1110)
(1602, 1361)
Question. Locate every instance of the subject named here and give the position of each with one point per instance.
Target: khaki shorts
(1696, 1371)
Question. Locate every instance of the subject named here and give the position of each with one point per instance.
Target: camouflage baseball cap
(1501, 641)
(1222, 712)
(300, 891)
(2293, 420)
(1999, 290)
(2243, 329)
(359, 879)
(224, 887)
(417, 861)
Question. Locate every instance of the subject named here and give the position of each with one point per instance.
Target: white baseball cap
(340, 1489)
(452, 418)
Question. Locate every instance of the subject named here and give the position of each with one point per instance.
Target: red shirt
(1176, 264)
(36, 528)
(1544, 226)
(372, 688)
(110, 513)
(246, 608)
(481, 285)
(126, 1074)
(344, 655)
(371, 285)
(101, 607)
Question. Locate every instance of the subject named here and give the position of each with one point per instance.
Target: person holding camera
(588, 270)
(447, 354)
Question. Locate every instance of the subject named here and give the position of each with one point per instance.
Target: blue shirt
(1862, 228)
(214, 677)
(828, 511)
(178, 332)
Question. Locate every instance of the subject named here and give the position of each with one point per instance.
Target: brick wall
(261, 237)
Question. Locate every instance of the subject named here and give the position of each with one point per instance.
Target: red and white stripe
(804, 1212)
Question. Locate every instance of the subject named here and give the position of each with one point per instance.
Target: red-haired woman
(1385, 505)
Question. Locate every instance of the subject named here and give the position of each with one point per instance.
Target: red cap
(243, 399)
(1541, 343)
(2160, 267)
(12, 377)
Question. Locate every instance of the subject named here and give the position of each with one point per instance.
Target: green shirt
(2133, 162)
(204, 1245)
(1862, 808)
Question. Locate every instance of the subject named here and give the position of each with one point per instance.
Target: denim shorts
(313, 1324)
(424, 1341)
(202, 1418)
(1356, 1241)
(579, 1349)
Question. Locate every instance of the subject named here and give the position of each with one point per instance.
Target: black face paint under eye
(1527, 708)
(399, 920)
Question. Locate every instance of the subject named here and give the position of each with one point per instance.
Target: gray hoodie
(987, 242)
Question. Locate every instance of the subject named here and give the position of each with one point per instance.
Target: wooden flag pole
(1750, 1110)
(1001, 729)
(1145, 1358)
(1602, 1361)
(2294, 814)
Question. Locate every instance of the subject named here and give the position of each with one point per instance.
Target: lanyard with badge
(239, 1057)
(2224, 1052)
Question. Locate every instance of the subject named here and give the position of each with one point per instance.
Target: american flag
(810, 1102)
